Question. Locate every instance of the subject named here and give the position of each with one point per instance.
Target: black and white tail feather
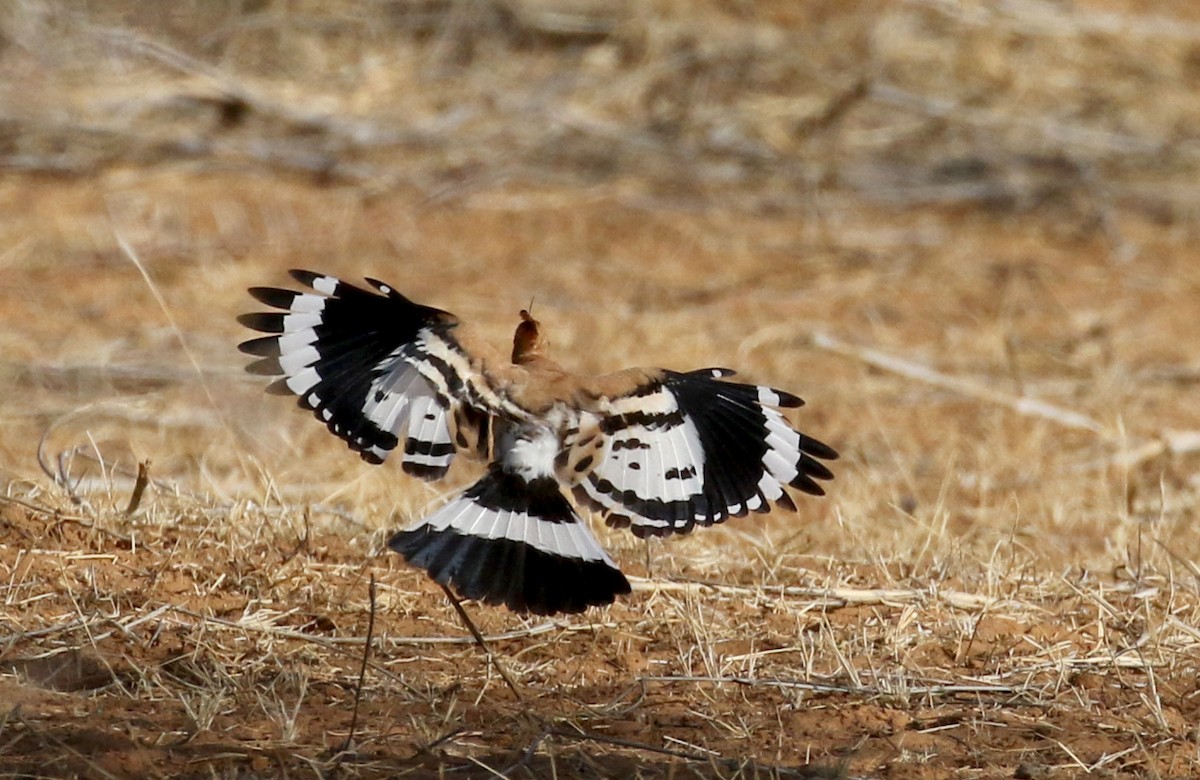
(654, 450)
(513, 538)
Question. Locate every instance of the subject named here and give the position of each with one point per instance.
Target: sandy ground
(964, 232)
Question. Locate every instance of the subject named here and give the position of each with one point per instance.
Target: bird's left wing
(664, 451)
(381, 371)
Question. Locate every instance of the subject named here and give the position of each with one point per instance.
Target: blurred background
(963, 231)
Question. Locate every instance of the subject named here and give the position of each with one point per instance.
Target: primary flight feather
(656, 451)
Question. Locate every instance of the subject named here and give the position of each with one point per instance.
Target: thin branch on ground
(1031, 407)
(331, 641)
(827, 597)
(348, 745)
(1172, 443)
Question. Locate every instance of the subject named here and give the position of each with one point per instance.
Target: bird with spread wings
(656, 451)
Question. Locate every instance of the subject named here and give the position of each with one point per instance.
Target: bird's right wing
(664, 451)
(381, 371)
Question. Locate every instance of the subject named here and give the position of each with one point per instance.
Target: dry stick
(1168, 442)
(830, 597)
(1031, 407)
(362, 670)
(462, 613)
(335, 642)
(139, 487)
(233, 92)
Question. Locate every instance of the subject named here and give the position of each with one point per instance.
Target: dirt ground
(964, 232)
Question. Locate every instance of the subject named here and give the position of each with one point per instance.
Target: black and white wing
(682, 449)
(381, 371)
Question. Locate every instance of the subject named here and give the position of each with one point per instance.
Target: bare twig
(362, 671)
(826, 597)
(1168, 443)
(332, 641)
(1031, 407)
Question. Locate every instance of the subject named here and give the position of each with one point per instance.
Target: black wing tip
(787, 400)
(817, 449)
(810, 469)
(263, 322)
(265, 346)
(273, 296)
(814, 468)
(806, 485)
(306, 277)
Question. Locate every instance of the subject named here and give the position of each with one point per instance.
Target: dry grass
(964, 232)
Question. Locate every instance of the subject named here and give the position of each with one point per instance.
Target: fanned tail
(512, 541)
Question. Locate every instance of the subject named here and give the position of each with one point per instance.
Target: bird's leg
(470, 624)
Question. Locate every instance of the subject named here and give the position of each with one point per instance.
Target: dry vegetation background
(964, 231)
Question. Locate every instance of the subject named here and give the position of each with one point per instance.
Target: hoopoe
(654, 450)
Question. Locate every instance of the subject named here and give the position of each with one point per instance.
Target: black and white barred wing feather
(683, 449)
(380, 371)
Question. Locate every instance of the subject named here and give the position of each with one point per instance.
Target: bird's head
(527, 341)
